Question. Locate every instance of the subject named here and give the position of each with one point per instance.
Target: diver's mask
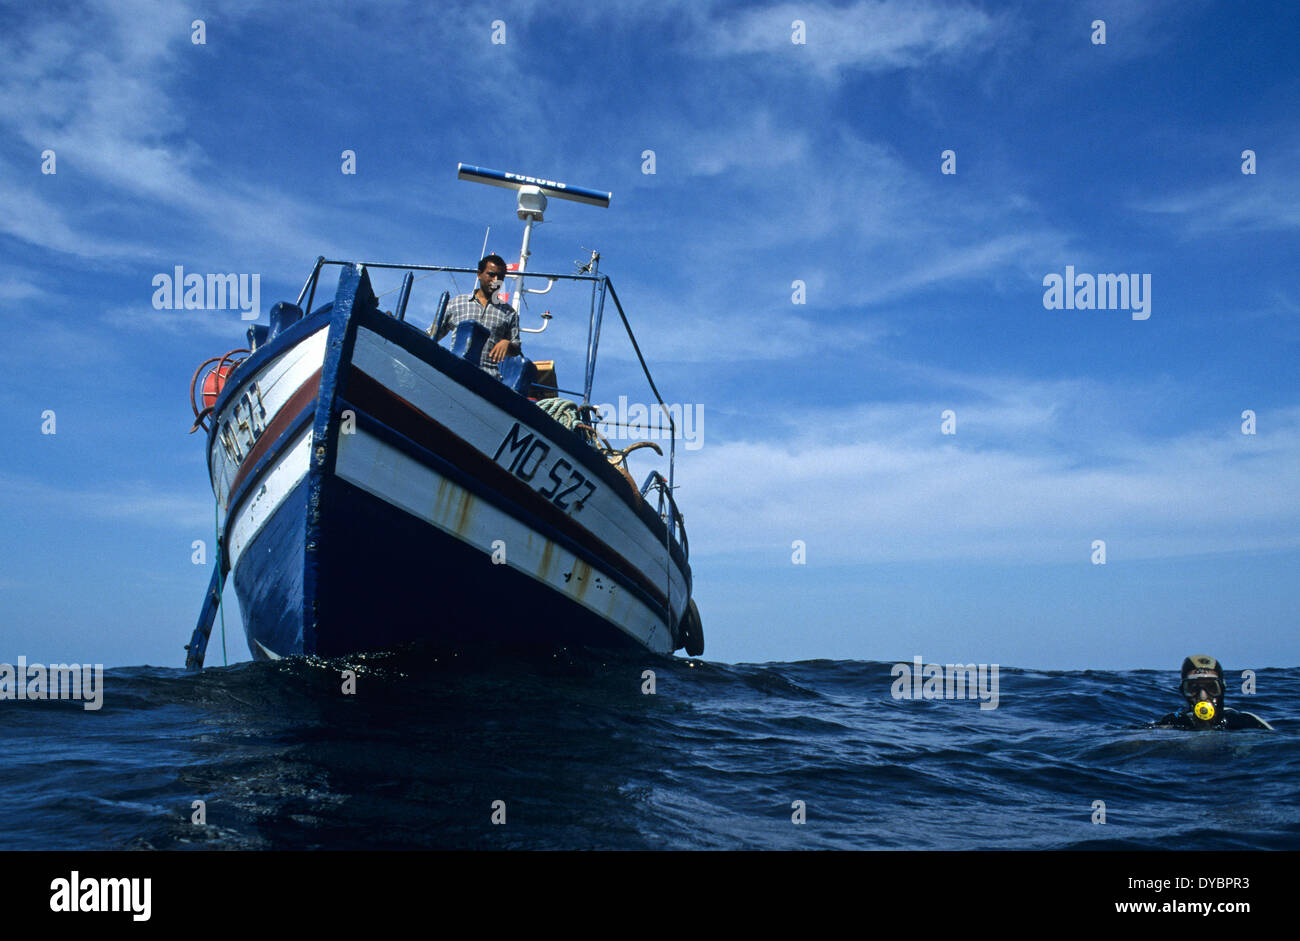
(1208, 707)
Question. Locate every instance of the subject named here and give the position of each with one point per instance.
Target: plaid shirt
(500, 319)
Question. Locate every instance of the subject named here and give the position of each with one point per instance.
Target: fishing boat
(375, 488)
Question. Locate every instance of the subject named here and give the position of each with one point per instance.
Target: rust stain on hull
(463, 512)
(582, 575)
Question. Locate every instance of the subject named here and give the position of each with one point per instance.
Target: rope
(414, 281)
(563, 411)
(216, 529)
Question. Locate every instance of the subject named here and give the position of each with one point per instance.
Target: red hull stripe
(283, 418)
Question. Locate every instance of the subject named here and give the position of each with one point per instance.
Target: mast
(531, 207)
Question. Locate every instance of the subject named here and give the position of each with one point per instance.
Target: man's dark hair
(497, 258)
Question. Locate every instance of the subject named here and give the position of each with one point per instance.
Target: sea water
(581, 751)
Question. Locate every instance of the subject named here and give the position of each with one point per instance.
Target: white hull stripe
(405, 483)
(256, 509)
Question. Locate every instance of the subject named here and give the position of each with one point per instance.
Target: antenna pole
(531, 207)
(531, 217)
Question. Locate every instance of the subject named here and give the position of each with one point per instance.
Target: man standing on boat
(501, 320)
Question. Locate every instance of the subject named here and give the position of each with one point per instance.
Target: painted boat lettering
(245, 425)
(524, 454)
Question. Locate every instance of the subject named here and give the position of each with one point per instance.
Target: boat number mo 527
(526, 455)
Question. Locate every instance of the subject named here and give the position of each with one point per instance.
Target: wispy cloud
(867, 228)
(40, 220)
(711, 335)
(17, 288)
(869, 35)
(883, 484)
(1266, 203)
(965, 262)
(752, 141)
(130, 501)
(99, 90)
(224, 324)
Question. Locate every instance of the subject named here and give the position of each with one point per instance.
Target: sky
(904, 447)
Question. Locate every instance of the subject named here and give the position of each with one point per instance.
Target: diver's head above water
(1202, 687)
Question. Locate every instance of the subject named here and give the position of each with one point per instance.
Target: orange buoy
(213, 383)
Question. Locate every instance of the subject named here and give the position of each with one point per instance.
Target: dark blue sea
(419, 756)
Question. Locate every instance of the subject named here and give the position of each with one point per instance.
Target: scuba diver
(1202, 687)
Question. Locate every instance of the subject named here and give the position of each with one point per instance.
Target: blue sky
(775, 162)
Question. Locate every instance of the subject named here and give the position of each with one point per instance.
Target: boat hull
(375, 490)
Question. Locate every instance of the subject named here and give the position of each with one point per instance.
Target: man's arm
(503, 349)
(511, 346)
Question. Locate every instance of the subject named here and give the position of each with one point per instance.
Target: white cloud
(883, 484)
(966, 262)
(753, 142)
(870, 35)
(867, 228)
(1269, 202)
(39, 221)
(17, 289)
(224, 324)
(134, 502)
(98, 90)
